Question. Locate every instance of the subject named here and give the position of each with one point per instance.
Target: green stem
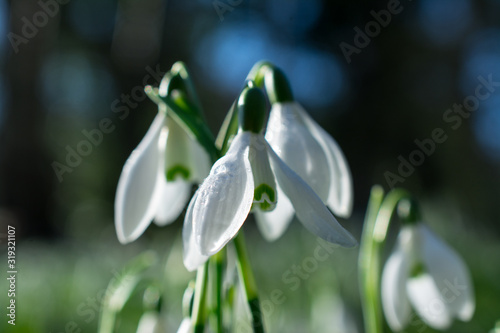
(248, 281)
(199, 306)
(180, 68)
(368, 265)
(218, 262)
(377, 220)
(258, 72)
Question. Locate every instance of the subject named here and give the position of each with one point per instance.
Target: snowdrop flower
(156, 180)
(309, 151)
(248, 176)
(426, 274)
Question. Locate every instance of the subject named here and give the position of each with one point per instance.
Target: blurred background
(379, 87)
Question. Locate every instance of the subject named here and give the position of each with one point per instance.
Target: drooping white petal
(395, 303)
(225, 198)
(173, 197)
(308, 206)
(185, 326)
(273, 224)
(340, 198)
(137, 192)
(265, 192)
(191, 255)
(450, 274)
(294, 144)
(427, 301)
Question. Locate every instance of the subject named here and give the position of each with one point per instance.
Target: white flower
(425, 273)
(150, 323)
(314, 155)
(247, 175)
(144, 193)
(185, 326)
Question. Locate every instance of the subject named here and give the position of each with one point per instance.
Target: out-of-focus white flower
(156, 179)
(249, 175)
(314, 155)
(185, 326)
(150, 322)
(426, 274)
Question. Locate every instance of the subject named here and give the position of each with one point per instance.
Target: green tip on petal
(277, 86)
(176, 170)
(252, 110)
(265, 197)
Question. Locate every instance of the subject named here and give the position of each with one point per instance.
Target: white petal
(340, 198)
(185, 157)
(273, 224)
(185, 326)
(137, 191)
(449, 273)
(199, 161)
(191, 255)
(177, 152)
(294, 144)
(308, 206)
(395, 303)
(225, 198)
(148, 323)
(427, 302)
(265, 191)
(173, 196)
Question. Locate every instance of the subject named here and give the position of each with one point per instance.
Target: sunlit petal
(395, 303)
(450, 274)
(265, 191)
(427, 301)
(191, 254)
(340, 198)
(308, 206)
(294, 144)
(173, 196)
(274, 223)
(137, 191)
(225, 198)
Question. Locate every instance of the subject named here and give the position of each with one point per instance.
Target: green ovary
(175, 170)
(265, 197)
